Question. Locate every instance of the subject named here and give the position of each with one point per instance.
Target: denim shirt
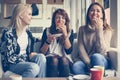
(10, 49)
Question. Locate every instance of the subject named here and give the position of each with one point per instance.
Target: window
(55, 1)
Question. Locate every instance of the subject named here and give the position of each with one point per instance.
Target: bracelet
(65, 38)
(47, 42)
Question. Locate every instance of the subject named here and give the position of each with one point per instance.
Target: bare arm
(44, 46)
(67, 43)
(69, 48)
(46, 43)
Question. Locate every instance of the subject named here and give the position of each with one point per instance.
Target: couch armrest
(113, 54)
(1, 70)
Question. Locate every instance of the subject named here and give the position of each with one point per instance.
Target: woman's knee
(64, 61)
(98, 59)
(78, 67)
(55, 61)
(97, 56)
(52, 60)
(78, 64)
(41, 57)
(34, 68)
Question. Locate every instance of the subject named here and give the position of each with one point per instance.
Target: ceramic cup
(102, 68)
(15, 77)
(96, 74)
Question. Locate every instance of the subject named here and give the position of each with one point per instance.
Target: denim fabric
(40, 59)
(80, 67)
(100, 60)
(35, 68)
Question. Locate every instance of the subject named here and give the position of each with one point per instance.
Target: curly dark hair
(65, 15)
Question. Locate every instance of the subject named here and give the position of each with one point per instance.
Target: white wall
(113, 22)
(118, 22)
(115, 16)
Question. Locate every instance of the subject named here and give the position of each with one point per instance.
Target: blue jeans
(35, 68)
(80, 67)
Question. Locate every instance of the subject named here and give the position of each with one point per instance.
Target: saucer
(58, 35)
(81, 77)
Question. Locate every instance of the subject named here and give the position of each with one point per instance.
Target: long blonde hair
(18, 10)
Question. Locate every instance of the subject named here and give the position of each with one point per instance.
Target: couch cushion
(0, 67)
(37, 47)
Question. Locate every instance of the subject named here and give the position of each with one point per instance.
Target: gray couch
(113, 53)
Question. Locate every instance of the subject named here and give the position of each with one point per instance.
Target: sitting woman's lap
(57, 66)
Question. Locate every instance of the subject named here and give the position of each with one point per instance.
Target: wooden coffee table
(105, 78)
(44, 79)
(39, 79)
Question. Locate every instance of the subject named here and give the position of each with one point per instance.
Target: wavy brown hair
(67, 20)
(105, 24)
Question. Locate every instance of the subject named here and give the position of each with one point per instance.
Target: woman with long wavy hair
(93, 41)
(57, 43)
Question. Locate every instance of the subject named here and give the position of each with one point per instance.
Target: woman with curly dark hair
(57, 43)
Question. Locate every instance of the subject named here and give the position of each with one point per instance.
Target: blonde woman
(17, 46)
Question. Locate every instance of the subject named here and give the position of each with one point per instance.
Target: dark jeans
(57, 66)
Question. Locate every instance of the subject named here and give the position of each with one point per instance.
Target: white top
(56, 48)
(23, 42)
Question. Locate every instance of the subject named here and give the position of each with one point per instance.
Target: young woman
(93, 41)
(57, 43)
(17, 46)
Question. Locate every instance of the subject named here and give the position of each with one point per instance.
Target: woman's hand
(97, 23)
(62, 28)
(32, 54)
(50, 38)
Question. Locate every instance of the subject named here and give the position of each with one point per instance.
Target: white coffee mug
(15, 77)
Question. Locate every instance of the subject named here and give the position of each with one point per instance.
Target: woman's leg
(80, 67)
(25, 69)
(40, 59)
(64, 69)
(98, 59)
(52, 66)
